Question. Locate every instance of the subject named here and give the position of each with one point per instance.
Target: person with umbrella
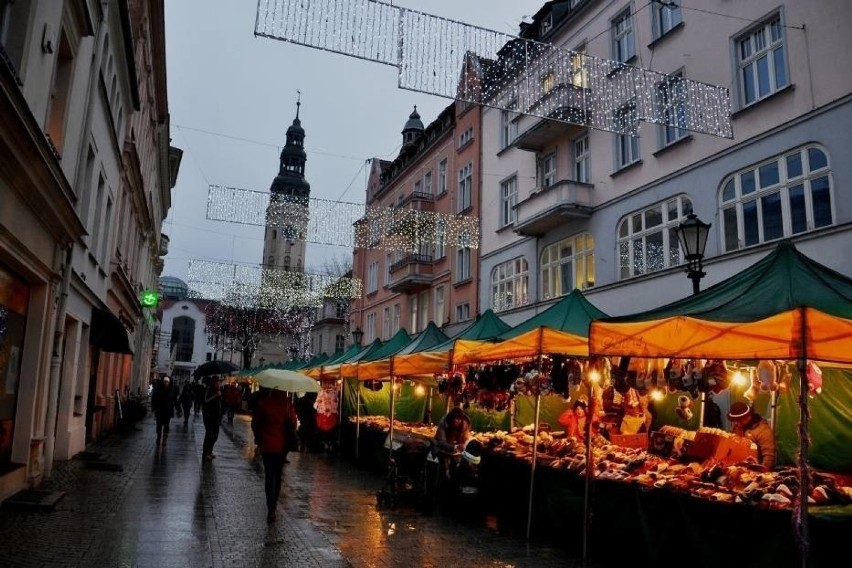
(273, 425)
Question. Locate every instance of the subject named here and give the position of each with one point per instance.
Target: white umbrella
(285, 380)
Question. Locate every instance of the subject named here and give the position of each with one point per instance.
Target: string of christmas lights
(343, 224)
(249, 286)
(452, 59)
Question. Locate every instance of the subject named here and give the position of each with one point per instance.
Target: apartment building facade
(85, 184)
(437, 171)
(568, 207)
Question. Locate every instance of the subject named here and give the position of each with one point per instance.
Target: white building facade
(568, 207)
(85, 179)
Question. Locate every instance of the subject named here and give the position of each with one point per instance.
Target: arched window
(566, 265)
(510, 282)
(785, 196)
(646, 239)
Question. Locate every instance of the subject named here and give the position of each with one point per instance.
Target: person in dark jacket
(211, 413)
(273, 425)
(186, 400)
(163, 407)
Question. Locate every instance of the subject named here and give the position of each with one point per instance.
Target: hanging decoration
(342, 224)
(452, 59)
(251, 286)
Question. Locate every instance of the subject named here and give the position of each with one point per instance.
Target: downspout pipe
(56, 362)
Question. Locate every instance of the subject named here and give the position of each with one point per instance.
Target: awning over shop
(785, 306)
(108, 333)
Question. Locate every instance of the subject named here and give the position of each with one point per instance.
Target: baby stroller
(465, 484)
(406, 478)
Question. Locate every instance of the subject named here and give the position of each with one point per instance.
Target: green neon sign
(149, 298)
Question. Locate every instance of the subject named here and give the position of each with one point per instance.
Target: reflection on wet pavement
(168, 508)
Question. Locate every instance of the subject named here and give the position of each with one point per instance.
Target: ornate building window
(567, 264)
(780, 198)
(647, 241)
(510, 285)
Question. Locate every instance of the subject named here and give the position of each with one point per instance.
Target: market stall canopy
(785, 306)
(312, 362)
(385, 367)
(436, 359)
(316, 371)
(562, 329)
(349, 368)
(391, 346)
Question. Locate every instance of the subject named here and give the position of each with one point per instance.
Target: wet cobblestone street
(167, 508)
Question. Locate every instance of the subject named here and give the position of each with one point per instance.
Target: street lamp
(358, 335)
(294, 352)
(692, 234)
(262, 361)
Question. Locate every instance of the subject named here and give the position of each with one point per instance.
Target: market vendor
(747, 423)
(574, 419)
(452, 433)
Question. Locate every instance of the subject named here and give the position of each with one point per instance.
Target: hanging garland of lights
(251, 286)
(343, 224)
(452, 59)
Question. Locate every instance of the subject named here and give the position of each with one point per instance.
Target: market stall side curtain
(562, 329)
(785, 306)
(436, 359)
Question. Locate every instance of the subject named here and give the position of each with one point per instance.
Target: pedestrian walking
(163, 407)
(211, 413)
(186, 400)
(232, 400)
(198, 389)
(273, 424)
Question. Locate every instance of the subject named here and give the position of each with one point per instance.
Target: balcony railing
(550, 207)
(411, 273)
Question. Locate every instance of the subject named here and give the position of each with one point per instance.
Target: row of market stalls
(785, 323)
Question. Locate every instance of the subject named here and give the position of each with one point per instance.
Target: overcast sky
(232, 97)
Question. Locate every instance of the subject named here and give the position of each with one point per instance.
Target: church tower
(287, 213)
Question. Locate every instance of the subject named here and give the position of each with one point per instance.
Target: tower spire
(299, 102)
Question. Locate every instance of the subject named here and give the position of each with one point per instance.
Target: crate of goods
(723, 449)
(629, 440)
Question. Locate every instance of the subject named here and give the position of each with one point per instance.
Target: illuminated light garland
(452, 59)
(340, 223)
(255, 287)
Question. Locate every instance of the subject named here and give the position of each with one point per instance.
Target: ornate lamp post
(357, 335)
(692, 235)
(294, 352)
(262, 361)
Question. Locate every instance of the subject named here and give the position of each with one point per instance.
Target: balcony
(164, 244)
(550, 207)
(425, 199)
(564, 104)
(411, 274)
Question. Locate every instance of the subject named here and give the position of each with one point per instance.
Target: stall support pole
(392, 409)
(532, 467)
(357, 418)
(427, 419)
(800, 516)
(339, 415)
(701, 412)
(590, 466)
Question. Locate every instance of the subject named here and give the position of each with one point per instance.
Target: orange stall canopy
(785, 306)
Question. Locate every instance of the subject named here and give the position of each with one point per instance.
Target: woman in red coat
(273, 424)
